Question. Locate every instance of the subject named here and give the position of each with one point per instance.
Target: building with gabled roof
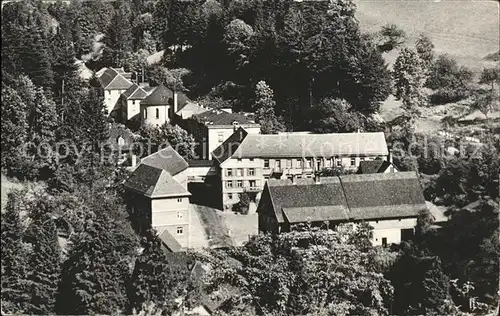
(157, 196)
(389, 202)
(210, 128)
(246, 161)
(131, 100)
(114, 82)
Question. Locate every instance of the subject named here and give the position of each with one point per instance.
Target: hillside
(467, 30)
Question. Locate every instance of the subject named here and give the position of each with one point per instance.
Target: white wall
(390, 229)
(150, 118)
(133, 108)
(172, 213)
(111, 98)
(213, 136)
(182, 178)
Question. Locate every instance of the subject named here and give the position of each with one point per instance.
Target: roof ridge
(118, 74)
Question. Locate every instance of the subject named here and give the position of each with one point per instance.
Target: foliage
(265, 110)
(171, 78)
(425, 50)
(302, 273)
(391, 37)
(490, 76)
(409, 79)
(243, 204)
(334, 116)
(168, 134)
(118, 38)
(154, 280)
(484, 101)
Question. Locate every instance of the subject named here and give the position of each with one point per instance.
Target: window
(180, 230)
(121, 141)
(239, 183)
(157, 113)
(252, 183)
(179, 214)
(308, 163)
(145, 113)
(266, 163)
(179, 200)
(299, 163)
(239, 159)
(251, 159)
(266, 178)
(384, 241)
(339, 162)
(362, 159)
(133, 102)
(328, 163)
(230, 196)
(229, 184)
(289, 163)
(229, 172)
(277, 164)
(239, 172)
(251, 171)
(220, 137)
(353, 162)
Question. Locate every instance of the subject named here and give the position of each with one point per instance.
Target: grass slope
(466, 30)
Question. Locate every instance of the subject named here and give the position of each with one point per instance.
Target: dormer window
(235, 123)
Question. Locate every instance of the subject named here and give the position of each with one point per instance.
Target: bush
(243, 205)
(447, 95)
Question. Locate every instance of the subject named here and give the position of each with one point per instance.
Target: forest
(296, 66)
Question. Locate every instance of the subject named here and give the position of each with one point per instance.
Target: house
(377, 166)
(389, 202)
(131, 100)
(211, 128)
(157, 195)
(120, 142)
(114, 82)
(245, 161)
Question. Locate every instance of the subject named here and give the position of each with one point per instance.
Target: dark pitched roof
(222, 118)
(134, 93)
(383, 195)
(114, 79)
(295, 145)
(348, 197)
(373, 166)
(230, 145)
(169, 241)
(166, 159)
(160, 95)
(297, 202)
(154, 183)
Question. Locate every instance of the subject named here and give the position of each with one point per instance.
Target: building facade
(389, 202)
(246, 161)
(114, 82)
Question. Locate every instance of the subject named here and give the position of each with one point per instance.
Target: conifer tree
(15, 287)
(264, 110)
(153, 280)
(44, 264)
(118, 38)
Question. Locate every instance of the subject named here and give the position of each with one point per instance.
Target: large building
(245, 161)
(389, 202)
(211, 128)
(157, 195)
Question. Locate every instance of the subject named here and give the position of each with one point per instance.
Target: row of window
(240, 172)
(157, 114)
(239, 184)
(309, 163)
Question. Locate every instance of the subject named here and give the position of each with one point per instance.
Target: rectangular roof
(111, 79)
(307, 145)
(154, 183)
(217, 118)
(166, 159)
(347, 197)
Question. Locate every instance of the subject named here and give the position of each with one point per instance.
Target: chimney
(390, 156)
(317, 178)
(175, 102)
(134, 159)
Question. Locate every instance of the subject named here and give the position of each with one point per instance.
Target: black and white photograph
(250, 157)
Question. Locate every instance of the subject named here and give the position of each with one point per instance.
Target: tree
(63, 64)
(484, 101)
(118, 37)
(14, 127)
(237, 38)
(409, 79)
(264, 110)
(302, 272)
(490, 76)
(391, 37)
(137, 64)
(172, 135)
(94, 277)
(334, 116)
(15, 286)
(425, 50)
(45, 264)
(153, 280)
